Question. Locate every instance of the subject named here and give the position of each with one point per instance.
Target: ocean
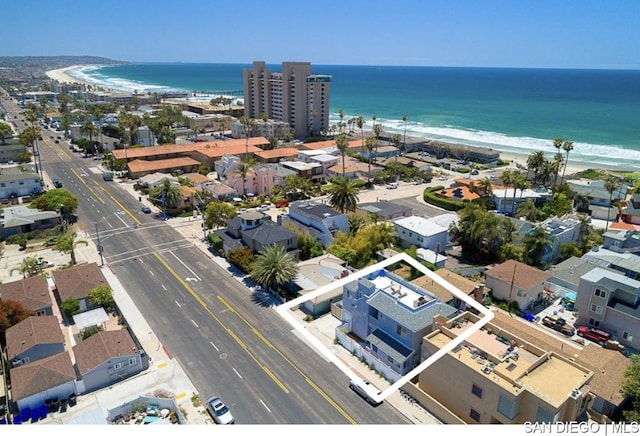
(508, 109)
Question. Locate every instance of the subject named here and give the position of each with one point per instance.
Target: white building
(422, 233)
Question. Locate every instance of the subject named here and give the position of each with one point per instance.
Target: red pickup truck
(596, 335)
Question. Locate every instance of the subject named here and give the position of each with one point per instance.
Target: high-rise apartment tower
(294, 96)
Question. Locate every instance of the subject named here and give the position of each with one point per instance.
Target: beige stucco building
(294, 96)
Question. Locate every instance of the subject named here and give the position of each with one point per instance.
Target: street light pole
(99, 246)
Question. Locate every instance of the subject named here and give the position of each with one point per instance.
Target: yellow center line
(231, 333)
(270, 345)
(88, 187)
(133, 217)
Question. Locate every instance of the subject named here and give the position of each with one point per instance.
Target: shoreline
(62, 75)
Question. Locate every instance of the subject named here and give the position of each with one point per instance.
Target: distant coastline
(66, 75)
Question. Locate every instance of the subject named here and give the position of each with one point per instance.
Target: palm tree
(355, 222)
(370, 144)
(377, 129)
(506, 179)
(486, 186)
(88, 129)
(343, 193)
(247, 125)
(404, 141)
(360, 124)
(557, 143)
(67, 244)
(4, 130)
(169, 195)
(535, 242)
(342, 143)
(241, 170)
(567, 146)
(341, 116)
(528, 210)
(610, 184)
(535, 162)
(28, 267)
(519, 182)
(264, 119)
(273, 267)
(396, 143)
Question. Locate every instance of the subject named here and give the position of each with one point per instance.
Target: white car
(264, 207)
(392, 185)
(219, 411)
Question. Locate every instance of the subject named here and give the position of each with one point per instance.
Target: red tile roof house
(77, 282)
(34, 338)
(108, 357)
(33, 385)
(32, 293)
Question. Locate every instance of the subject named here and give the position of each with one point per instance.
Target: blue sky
(486, 33)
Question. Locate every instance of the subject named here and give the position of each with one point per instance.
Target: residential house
(312, 171)
(507, 200)
(625, 262)
(626, 241)
(315, 273)
(53, 377)
(422, 233)
(247, 184)
(256, 231)
(10, 151)
(198, 180)
(107, 357)
(31, 292)
(350, 172)
(630, 210)
(276, 155)
(610, 301)
(500, 377)
(320, 220)
(597, 194)
(384, 210)
(220, 191)
(32, 339)
(225, 165)
(77, 282)
(561, 231)
(514, 281)
(327, 161)
(155, 180)
(389, 316)
(269, 176)
(565, 277)
(608, 366)
(188, 197)
(17, 183)
(15, 220)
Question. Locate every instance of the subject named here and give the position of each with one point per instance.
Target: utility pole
(99, 246)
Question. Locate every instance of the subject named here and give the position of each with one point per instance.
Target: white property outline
(284, 310)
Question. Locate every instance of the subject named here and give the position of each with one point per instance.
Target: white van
(367, 391)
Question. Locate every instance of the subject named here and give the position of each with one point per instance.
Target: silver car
(219, 411)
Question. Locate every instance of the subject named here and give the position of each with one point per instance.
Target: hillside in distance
(31, 67)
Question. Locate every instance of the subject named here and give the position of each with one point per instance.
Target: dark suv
(57, 183)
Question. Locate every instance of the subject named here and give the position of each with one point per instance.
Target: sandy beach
(61, 75)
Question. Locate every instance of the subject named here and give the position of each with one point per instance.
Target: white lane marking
(185, 265)
(214, 346)
(237, 373)
(194, 323)
(178, 304)
(265, 406)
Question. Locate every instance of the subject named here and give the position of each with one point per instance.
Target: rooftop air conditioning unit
(575, 394)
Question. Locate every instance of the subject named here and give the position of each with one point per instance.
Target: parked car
(219, 411)
(57, 183)
(475, 172)
(596, 335)
(392, 185)
(282, 203)
(264, 207)
(146, 209)
(366, 390)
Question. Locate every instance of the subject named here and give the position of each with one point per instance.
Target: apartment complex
(294, 96)
(501, 378)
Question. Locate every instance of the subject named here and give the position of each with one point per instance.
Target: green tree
(370, 145)
(557, 143)
(28, 267)
(308, 245)
(528, 210)
(355, 222)
(404, 140)
(90, 331)
(70, 307)
(11, 313)
(273, 267)
(102, 296)
(519, 182)
(611, 184)
(342, 143)
(216, 214)
(247, 127)
(53, 199)
(377, 130)
(535, 242)
(167, 194)
(631, 388)
(396, 143)
(570, 249)
(89, 129)
(68, 243)
(5, 129)
(567, 146)
(535, 162)
(343, 193)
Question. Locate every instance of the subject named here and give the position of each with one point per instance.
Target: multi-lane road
(228, 343)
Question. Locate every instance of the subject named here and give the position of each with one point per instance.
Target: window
(600, 293)
(401, 331)
(476, 390)
(508, 407)
(133, 361)
(597, 309)
(594, 322)
(544, 415)
(627, 336)
(475, 415)
(117, 366)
